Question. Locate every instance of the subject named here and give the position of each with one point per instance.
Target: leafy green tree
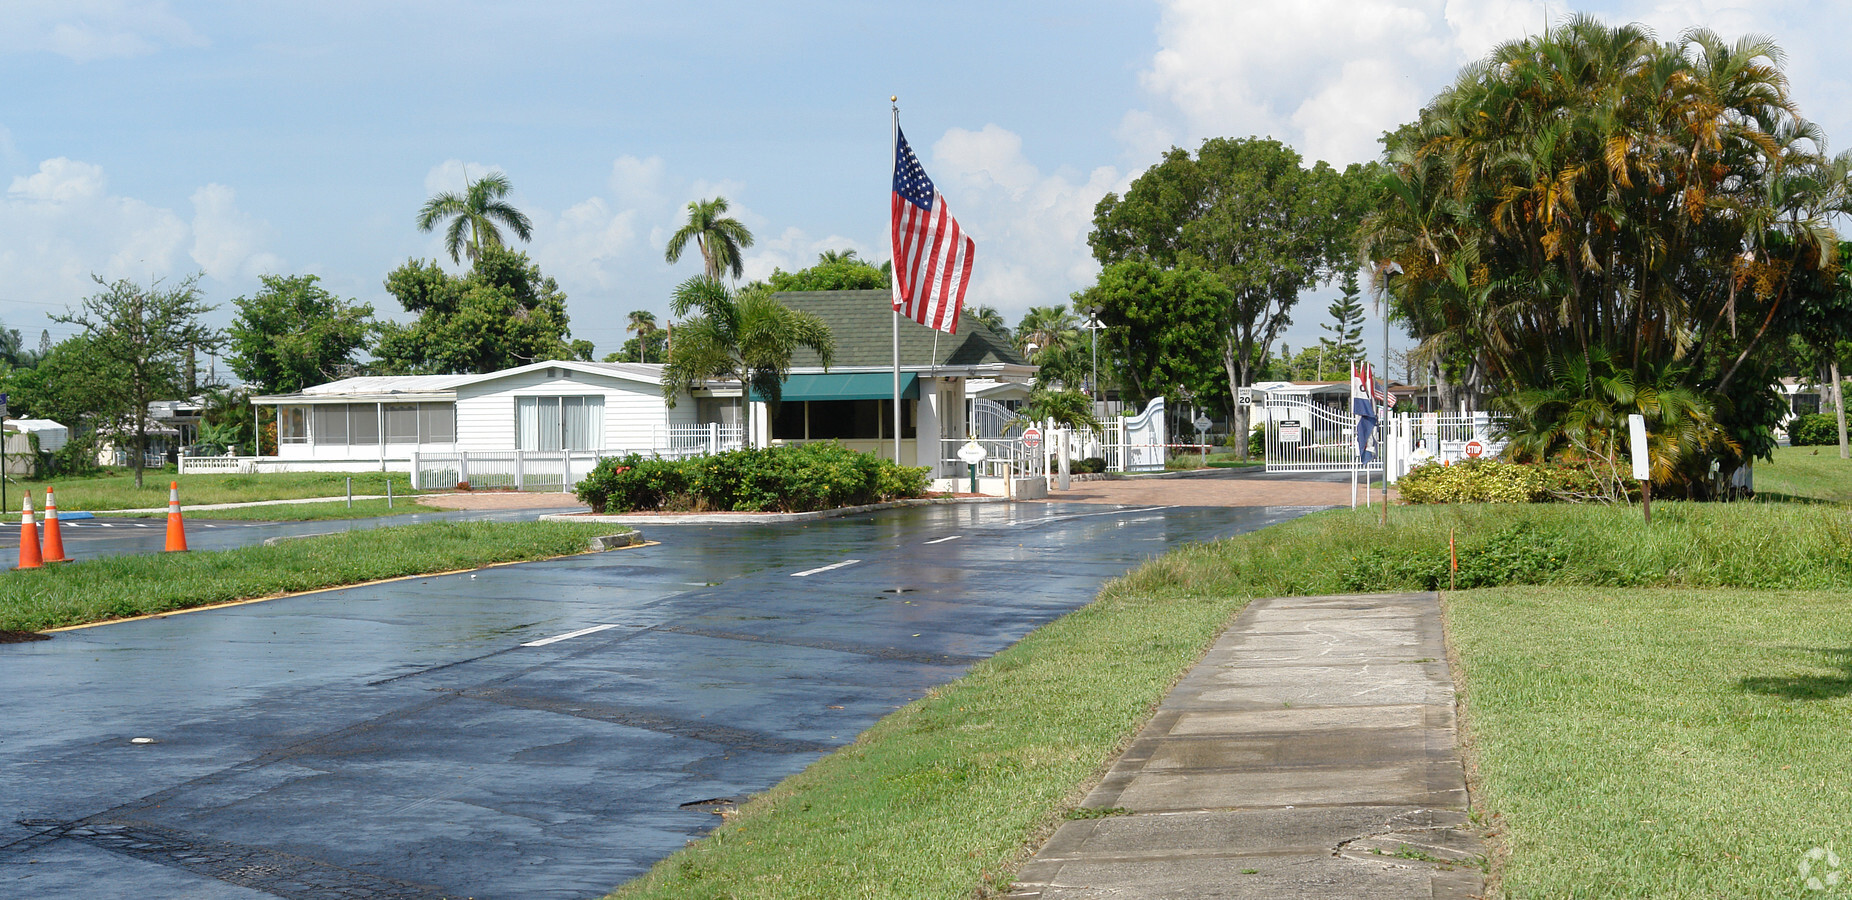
(294, 334)
(836, 270)
(1592, 189)
(989, 316)
(642, 323)
(472, 216)
(143, 337)
(1060, 352)
(1071, 409)
(501, 314)
(1162, 330)
(1249, 213)
(652, 347)
(1346, 326)
(745, 336)
(720, 238)
(70, 386)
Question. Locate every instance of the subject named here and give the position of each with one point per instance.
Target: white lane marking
(569, 635)
(944, 539)
(846, 562)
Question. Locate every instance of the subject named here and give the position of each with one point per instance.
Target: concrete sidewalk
(1311, 754)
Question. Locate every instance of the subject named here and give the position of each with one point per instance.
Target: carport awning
(860, 386)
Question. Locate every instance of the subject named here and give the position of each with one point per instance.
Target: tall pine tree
(1345, 345)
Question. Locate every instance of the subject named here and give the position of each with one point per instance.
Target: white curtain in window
(527, 423)
(584, 422)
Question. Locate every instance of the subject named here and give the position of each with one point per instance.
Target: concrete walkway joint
(1310, 754)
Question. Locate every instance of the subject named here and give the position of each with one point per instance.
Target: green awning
(861, 386)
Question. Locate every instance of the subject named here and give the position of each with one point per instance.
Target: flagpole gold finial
(894, 99)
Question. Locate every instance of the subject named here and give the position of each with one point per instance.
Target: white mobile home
(510, 423)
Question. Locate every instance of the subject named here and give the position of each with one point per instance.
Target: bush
(1814, 430)
(789, 478)
(1498, 481)
(77, 458)
(1092, 465)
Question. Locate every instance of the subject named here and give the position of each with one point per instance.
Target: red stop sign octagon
(1032, 438)
(1474, 449)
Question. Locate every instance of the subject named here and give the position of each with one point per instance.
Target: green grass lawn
(1659, 743)
(304, 512)
(116, 490)
(122, 586)
(1808, 474)
(1678, 628)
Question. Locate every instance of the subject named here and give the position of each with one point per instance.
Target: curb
(749, 518)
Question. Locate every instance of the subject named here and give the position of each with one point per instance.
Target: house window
(331, 424)
(293, 424)
(559, 423)
(362, 423)
(844, 420)
(402, 423)
(437, 423)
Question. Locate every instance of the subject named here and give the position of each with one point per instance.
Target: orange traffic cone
(29, 557)
(54, 540)
(176, 530)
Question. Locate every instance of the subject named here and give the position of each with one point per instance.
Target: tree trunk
(1237, 376)
(1839, 408)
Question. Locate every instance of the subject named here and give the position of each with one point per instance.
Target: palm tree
(476, 211)
(828, 257)
(720, 240)
(744, 336)
(642, 324)
(990, 318)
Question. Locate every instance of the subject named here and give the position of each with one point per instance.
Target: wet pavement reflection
(546, 730)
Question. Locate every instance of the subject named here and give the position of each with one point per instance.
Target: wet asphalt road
(530, 731)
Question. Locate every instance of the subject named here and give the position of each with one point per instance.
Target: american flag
(932, 255)
(1363, 401)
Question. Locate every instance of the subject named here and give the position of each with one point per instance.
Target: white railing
(560, 470)
(679, 441)
(195, 465)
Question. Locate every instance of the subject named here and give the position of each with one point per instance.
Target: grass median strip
(946, 797)
(302, 512)
(116, 489)
(125, 586)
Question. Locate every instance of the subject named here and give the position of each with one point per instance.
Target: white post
(713, 438)
(1065, 437)
(414, 478)
(463, 466)
(565, 471)
(520, 474)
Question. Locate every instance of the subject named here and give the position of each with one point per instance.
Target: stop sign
(1032, 437)
(1474, 449)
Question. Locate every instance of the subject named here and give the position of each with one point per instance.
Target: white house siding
(633, 411)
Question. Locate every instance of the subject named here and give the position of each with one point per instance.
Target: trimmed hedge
(1498, 481)
(1814, 430)
(788, 478)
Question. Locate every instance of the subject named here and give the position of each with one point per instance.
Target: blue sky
(151, 139)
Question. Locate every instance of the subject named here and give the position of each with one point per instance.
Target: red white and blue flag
(1363, 397)
(932, 255)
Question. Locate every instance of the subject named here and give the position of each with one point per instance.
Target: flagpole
(893, 157)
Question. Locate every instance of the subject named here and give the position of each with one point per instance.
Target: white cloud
(1326, 76)
(455, 175)
(589, 243)
(637, 182)
(87, 30)
(60, 224)
(795, 249)
(226, 240)
(1030, 226)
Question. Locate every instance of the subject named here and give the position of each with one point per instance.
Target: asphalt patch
(22, 637)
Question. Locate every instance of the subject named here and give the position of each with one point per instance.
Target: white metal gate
(1304, 436)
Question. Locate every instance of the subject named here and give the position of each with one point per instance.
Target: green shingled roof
(862, 322)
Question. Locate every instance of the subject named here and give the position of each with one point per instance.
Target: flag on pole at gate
(932, 255)
(1363, 404)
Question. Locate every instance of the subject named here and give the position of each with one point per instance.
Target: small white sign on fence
(1290, 431)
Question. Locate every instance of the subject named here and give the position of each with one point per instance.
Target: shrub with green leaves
(1498, 481)
(786, 478)
(1814, 430)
